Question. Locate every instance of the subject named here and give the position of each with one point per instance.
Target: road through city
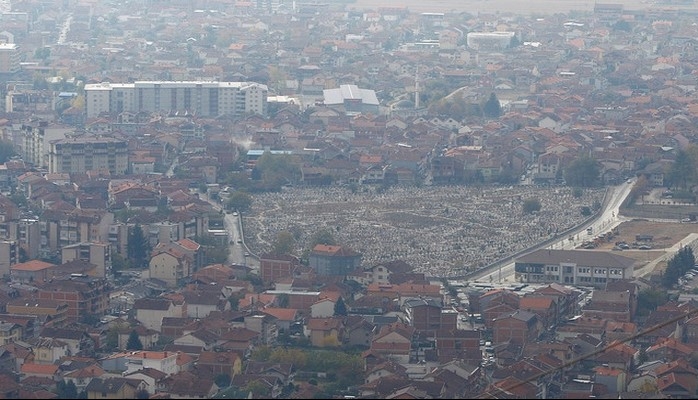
(606, 220)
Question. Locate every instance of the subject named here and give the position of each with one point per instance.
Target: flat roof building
(203, 98)
(573, 267)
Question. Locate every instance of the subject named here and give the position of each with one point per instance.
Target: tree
(283, 300)
(222, 380)
(134, 342)
(112, 341)
(276, 170)
(234, 300)
(340, 309)
(258, 389)
(239, 200)
(142, 394)
(323, 236)
(649, 299)
(582, 172)
(66, 390)
(23, 257)
(284, 243)
(119, 263)
(682, 172)
(7, 150)
(531, 205)
(138, 247)
(492, 108)
(213, 251)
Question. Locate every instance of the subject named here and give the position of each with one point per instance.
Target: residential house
(273, 267)
(394, 341)
(265, 325)
(170, 265)
(427, 315)
(286, 319)
(200, 338)
(48, 350)
(323, 308)
(358, 331)
(200, 303)
(615, 379)
(9, 332)
(162, 361)
(186, 385)
(325, 332)
(518, 327)
(33, 370)
(401, 292)
(31, 271)
(241, 340)
(284, 372)
(151, 311)
(610, 305)
(220, 362)
(594, 327)
(458, 344)
(381, 273)
(544, 308)
(152, 377)
(616, 355)
(114, 388)
(565, 299)
(669, 349)
(148, 337)
(81, 377)
(78, 340)
(385, 369)
(497, 302)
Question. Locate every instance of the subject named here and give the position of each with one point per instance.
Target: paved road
(239, 253)
(607, 220)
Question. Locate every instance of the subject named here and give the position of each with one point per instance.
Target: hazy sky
(476, 6)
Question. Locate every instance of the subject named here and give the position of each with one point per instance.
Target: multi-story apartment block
(25, 232)
(59, 228)
(10, 57)
(118, 238)
(82, 154)
(208, 99)
(35, 139)
(84, 294)
(9, 256)
(97, 254)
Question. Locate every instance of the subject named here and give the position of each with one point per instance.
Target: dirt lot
(664, 234)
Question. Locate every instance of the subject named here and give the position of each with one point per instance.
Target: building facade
(97, 254)
(82, 154)
(209, 99)
(10, 58)
(334, 260)
(273, 267)
(573, 267)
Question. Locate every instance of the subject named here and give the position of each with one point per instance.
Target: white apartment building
(202, 98)
(9, 58)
